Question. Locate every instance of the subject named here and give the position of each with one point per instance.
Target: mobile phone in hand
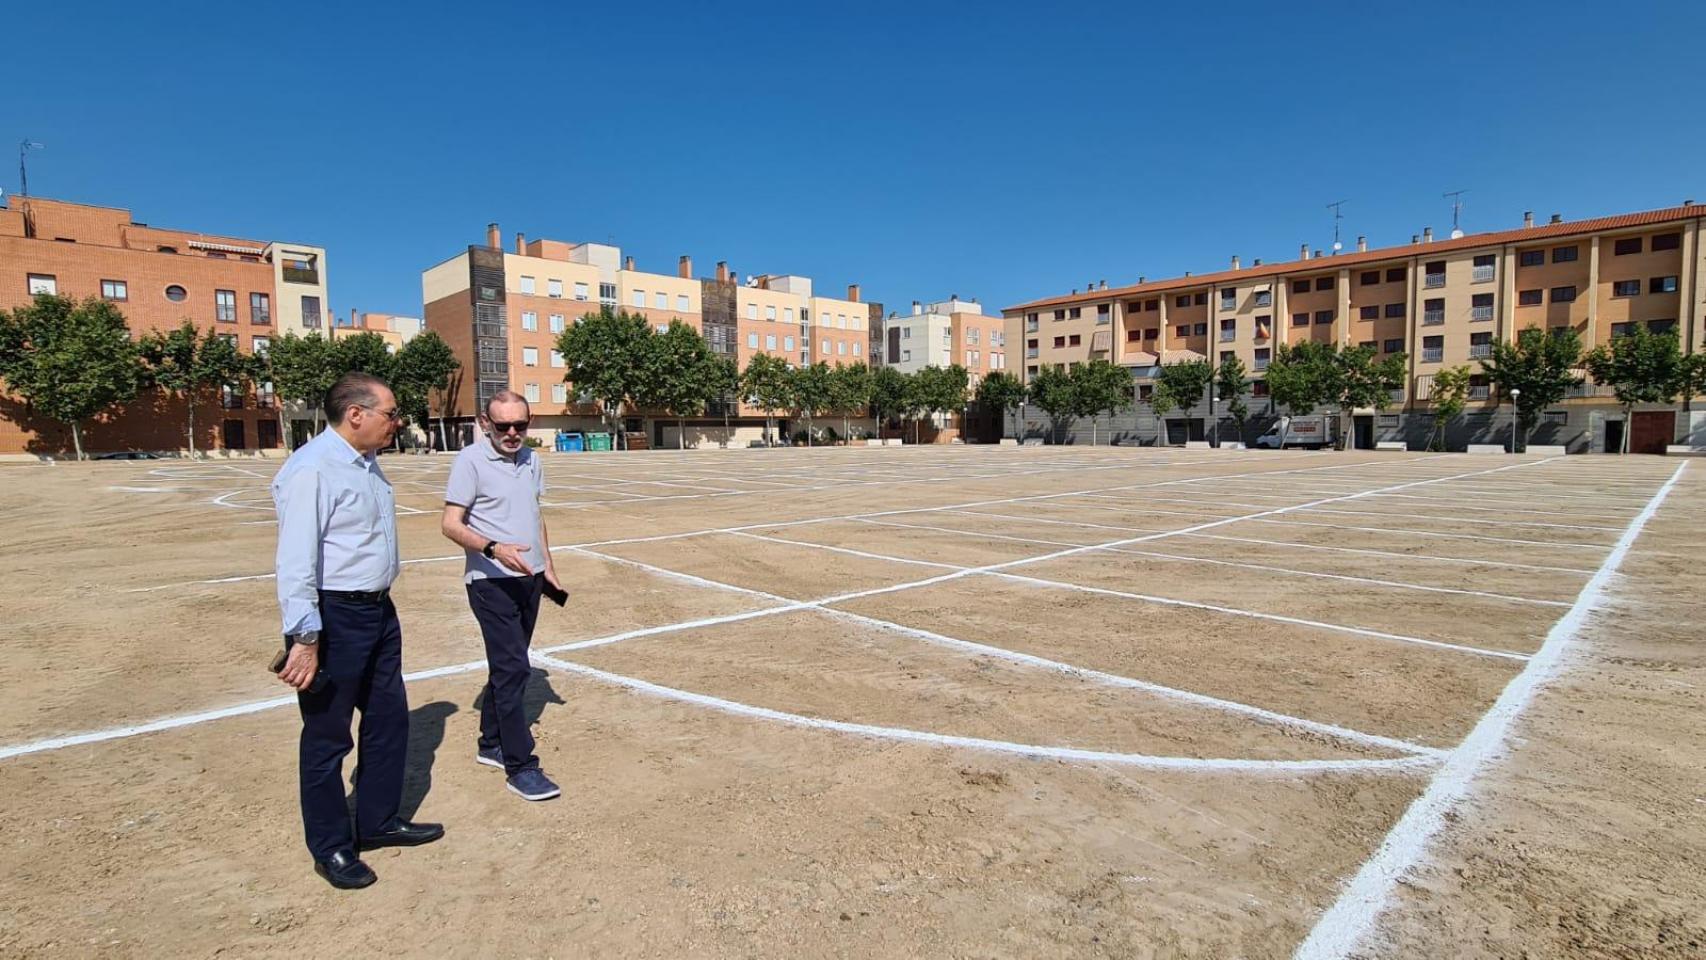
(556, 595)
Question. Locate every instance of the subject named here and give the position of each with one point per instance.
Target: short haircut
(508, 396)
(351, 390)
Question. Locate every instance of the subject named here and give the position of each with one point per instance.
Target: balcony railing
(1480, 391)
(1103, 319)
(1479, 350)
(1030, 326)
(1481, 313)
(1482, 274)
(1433, 280)
(1260, 365)
(300, 275)
(1227, 336)
(1433, 354)
(1396, 394)
(1433, 318)
(1030, 353)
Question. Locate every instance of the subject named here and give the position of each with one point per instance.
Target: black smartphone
(283, 655)
(556, 595)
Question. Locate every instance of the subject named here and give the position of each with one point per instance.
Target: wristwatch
(487, 549)
(308, 639)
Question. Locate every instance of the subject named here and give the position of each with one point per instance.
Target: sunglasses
(395, 413)
(518, 426)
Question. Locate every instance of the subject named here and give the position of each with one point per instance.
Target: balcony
(1227, 336)
(1478, 351)
(1030, 326)
(1432, 280)
(1482, 274)
(1481, 313)
(1480, 391)
(1396, 395)
(1103, 319)
(1260, 365)
(1030, 353)
(309, 275)
(1433, 318)
(1433, 354)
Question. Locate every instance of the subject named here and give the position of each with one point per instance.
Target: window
(1103, 314)
(526, 285)
(1300, 319)
(841, 350)
(1660, 326)
(1200, 299)
(1146, 391)
(770, 341)
(1263, 354)
(660, 300)
(1184, 301)
(661, 327)
(1074, 340)
(1199, 329)
(997, 356)
(1073, 313)
(1258, 388)
(115, 290)
(1370, 313)
(682, 303)
(557, 359)
(1060, 341)
(1226, 355)
(1433, 275)
(1563, 294)
(1387, 420)
(1626, 246)
(1479, 388)
(225, 306)
(1563, 254)
(825, 350)
(260, 308)
(1264, 298)
(788, 344)
(530, 356)
(1433, 349)
(1323, 283)
(1228, 330)
(1370, 278)
(1661, 285)
(1133, 336)
(554, 288)
(1152, 333)
(752, 340)
(1667, 241)
(1395, 311)
(1060, 314)
(531, 392)
(1300, 286)
(1433, 311)
(1485, 266)
(1149, 305)
(1182, 330)
(1264, 326)
(262, 345)
(1626, 288)
(1480, 345)
(556, 323)
(906, 333)
(580, 290)
(310, 307)
(770, 312)
(1395, 274)
(1323, 316)
(752, 311)
(1134, 306)
(1031, 321)
(559, 393)
(41, 283)
(1392, 345)
(1531, 258)
(1528, 298)
(1481, 307)
(1622, 330)
(1554, 417)
(529, 320)
(639, 298)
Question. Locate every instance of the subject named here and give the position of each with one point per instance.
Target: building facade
(1441, 303)
(502, 311)
(248, 290)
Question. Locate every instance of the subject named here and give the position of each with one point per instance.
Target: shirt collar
(342, 449)
(493, 453)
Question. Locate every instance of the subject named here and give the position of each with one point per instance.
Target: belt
(359, 596)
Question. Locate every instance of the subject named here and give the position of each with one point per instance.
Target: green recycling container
(598, 441)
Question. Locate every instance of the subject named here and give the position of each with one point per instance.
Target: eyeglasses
(519, 426)
(394, 414)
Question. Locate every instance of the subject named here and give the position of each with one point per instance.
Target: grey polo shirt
(502, 497)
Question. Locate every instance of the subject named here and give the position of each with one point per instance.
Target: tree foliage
(1541, 366)
(849, 393)
(192, 366)
(1100, 387)
(888, 393)
(1053, 391)
(1449, 395)
(768, 386)
(605, 356)
(68, 360)
(809, 393)
(300, 369)
(1641, 367)
(1230, 381)
(421, 373)
(1182, 386)
(679, 375)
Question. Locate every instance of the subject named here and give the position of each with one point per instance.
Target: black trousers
(507, 608)
(361, 654)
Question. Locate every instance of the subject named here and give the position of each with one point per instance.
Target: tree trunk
(681, 434)
(77, 439)
(808, 428)
(191, 432)
(443, 442)
(1628, 425)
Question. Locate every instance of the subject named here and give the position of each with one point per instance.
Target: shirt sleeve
(461, 488)
(300, 527)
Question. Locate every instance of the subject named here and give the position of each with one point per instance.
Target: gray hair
(352, 390)
(508, 396)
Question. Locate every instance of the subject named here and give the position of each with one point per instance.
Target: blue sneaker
(491, 756)
(532, 784)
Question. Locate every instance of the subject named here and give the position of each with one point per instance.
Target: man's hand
(512, 556)
(300, 666)
(551, 575)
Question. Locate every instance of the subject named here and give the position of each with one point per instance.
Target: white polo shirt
(502, 497)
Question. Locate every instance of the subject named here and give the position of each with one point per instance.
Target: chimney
(1362, 244)
(1317, 254)
(1187, 273)
(1556, 218)
(1415, 238)
(1303, 252)
(1103, 286)
(1427, 234)
(1688, 203)
(722, 271)
(917, 308)
(520, 244)
(853, 292)
(1527, 218)
(493, 238)
(1142, 280)
(1256, 262)
(628, 264)
(1235, 261)
(354, 319)
(684, 268)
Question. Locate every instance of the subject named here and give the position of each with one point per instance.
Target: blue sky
(997, 151)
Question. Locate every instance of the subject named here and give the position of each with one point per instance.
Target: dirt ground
(940, 702)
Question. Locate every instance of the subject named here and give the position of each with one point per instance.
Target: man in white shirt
(337, 558)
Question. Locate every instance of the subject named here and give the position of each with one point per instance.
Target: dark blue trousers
(507, 608)
(361, 654)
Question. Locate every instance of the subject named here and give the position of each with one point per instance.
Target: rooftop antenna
(1456, 198)
(24, 148)
(1337, 216)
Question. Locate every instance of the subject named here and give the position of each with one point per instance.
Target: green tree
(192, 367)
(68, 360)
(1002, 393)
(767, 385)
(679, 378)
(1356, 379)
(940, 390)
(1299, 378)
(1230, 382)
(1450, 394)
(1182, 385)
(888, 394)
(808, 393)
(1100, 387)
(916, 396)
(1053, 391)
(301, 371)
(423, 369)
(605, 357)
(723, 385)
(1541, 365)
(1640, 367)
(362, 352)
(849, 393)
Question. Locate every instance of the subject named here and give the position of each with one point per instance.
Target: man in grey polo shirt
(491, 509)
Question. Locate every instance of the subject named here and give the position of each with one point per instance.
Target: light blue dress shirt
(337, 527)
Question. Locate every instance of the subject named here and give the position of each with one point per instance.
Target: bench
(1396, 446)
(1684, 450)
(1486, 448)
(1033, 441)
(1197, 445)
(1547, 449)
(1009, 441)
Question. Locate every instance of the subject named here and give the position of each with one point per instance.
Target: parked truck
(1311, 432)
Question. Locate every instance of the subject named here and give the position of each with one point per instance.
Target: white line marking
(1368, 895)
(1393, 554)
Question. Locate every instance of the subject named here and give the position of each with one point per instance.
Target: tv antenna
(1456, 198)
(1337, 216)
(24, 147)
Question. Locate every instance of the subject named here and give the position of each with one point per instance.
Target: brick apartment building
(502, 311)
(1440, 302)
(249, 290)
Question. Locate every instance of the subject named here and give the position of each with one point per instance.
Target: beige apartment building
(945, 333)
(1440, 302)
(502, 311)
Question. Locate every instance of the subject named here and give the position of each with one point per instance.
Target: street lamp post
(1516, 394)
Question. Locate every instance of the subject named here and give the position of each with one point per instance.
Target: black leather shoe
(345, 871)
(404, 834)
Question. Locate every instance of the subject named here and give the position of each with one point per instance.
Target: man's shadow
(539, 693)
